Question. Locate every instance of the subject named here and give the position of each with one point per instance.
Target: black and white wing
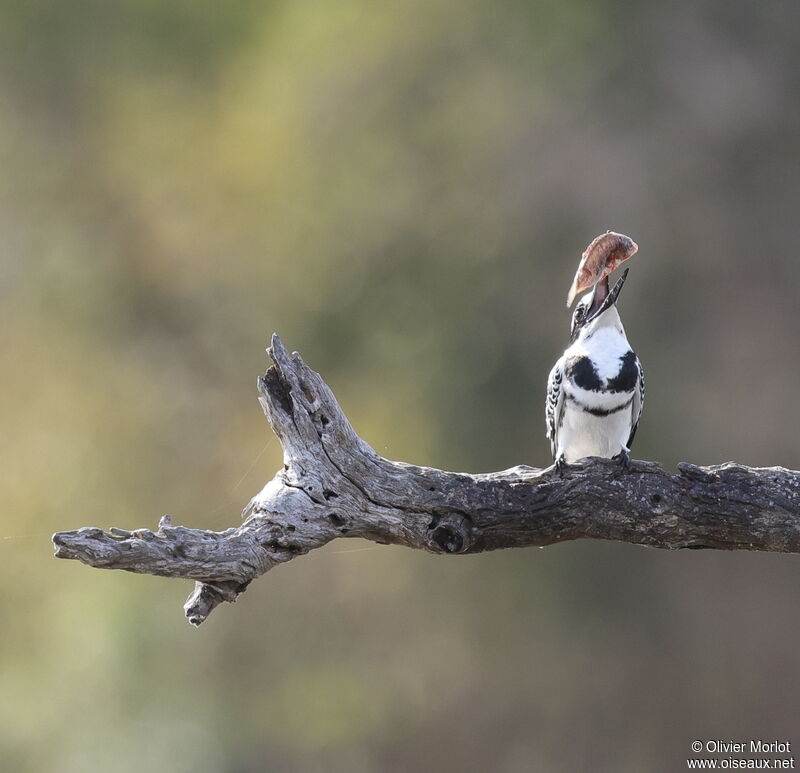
(554, 406)
(638, 402)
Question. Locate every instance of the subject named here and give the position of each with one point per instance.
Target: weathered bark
(334, 485)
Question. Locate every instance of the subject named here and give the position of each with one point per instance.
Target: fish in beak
(599, 259)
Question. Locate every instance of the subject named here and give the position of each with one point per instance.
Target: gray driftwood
(334, 485)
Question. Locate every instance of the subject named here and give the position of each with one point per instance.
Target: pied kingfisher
(595, 391)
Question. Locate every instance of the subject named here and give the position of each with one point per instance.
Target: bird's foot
(624, 459)
(561, 465)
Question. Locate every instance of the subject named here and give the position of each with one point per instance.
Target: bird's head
(597, 308)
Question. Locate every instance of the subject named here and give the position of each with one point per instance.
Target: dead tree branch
(334, 485)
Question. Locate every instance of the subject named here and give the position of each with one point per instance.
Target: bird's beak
(602, 299)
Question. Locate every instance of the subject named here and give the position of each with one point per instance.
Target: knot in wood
(450, 533)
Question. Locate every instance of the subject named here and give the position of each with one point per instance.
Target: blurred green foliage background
(402, 191)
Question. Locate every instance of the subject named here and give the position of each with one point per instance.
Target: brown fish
(599, 259)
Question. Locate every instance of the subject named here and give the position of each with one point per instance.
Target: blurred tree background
(402, 191)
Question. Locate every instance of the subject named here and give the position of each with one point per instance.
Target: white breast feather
(582, 434)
